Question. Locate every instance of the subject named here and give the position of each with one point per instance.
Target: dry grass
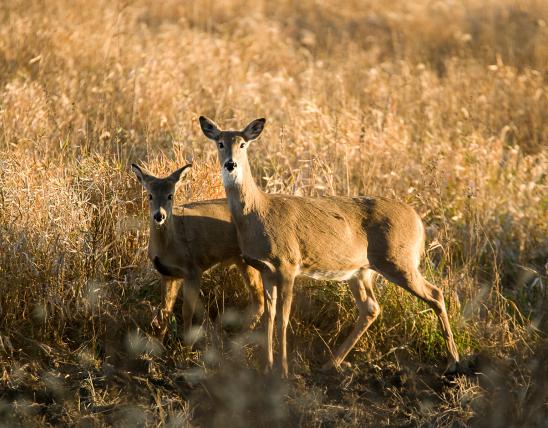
(440, 104)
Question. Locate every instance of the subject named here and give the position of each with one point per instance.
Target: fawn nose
(159, 217)
(230, 165)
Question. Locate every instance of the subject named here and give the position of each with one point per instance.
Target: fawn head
(232, 147)
(160, 192)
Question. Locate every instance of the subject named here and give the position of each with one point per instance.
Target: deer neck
(244, 196)
(162, 236)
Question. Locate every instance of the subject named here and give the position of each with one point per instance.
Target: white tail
(182, 247)
(336, 238)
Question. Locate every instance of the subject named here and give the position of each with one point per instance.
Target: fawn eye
(150, 197)
(242, 145)
(221, 145)
(170, 197)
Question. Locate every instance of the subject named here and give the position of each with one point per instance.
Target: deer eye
(170, 197)
(221, 145)
(242, 145)
(150, 197)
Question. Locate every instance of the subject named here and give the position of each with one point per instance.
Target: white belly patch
(341, 275)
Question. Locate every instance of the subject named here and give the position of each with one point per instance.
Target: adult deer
(183, 246)
(334, 238)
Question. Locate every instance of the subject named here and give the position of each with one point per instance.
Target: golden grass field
(441, 104)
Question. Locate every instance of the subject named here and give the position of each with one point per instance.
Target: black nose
(159, 217)
(230, 165)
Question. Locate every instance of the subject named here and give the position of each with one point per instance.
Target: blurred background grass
(441, 104)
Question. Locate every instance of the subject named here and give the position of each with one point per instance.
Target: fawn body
(183, 246)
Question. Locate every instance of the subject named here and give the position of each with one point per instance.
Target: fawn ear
(141, 176)
(178, 175)
(209, 128)
(253, 130)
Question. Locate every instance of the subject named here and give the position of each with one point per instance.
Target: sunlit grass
(439, 104)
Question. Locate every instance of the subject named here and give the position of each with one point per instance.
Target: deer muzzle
(230, 165)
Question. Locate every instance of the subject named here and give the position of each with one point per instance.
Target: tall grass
(439, 104)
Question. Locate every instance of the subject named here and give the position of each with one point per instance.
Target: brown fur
(194, 238)
(328, 238)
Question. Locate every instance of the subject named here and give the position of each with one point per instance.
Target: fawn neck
(163, 234)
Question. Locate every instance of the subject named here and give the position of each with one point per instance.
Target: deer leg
(191, 301)
(368, 308)
(270, 297)
(286, 297)
(413, 281)
(170, 288)
(434, 297)
(252, 280)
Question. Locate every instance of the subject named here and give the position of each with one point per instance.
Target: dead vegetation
(440, 104)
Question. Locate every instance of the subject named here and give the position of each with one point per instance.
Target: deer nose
(230, 165)
(159, 217)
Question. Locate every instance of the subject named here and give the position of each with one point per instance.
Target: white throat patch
(231, 178)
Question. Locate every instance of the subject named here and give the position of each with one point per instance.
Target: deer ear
(209, 128)
(141, 176)
(178, 175)
(253, 130)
